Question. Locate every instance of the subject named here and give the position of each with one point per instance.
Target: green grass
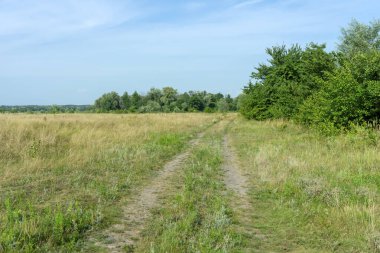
(29, 227)
(310, 193)
(197, 218)
(62, 176)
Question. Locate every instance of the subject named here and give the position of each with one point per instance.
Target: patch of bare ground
(122, 237)
(237, 183)
(234, 178)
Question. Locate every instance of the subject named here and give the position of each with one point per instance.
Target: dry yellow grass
(58, 173)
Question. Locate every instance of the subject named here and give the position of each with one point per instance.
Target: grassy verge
(310, 193)
(197, 217)
(62, 175)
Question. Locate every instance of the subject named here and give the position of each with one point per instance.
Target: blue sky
(72, 51)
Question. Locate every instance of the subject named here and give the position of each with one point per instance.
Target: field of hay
(62, 175)
(67, 182)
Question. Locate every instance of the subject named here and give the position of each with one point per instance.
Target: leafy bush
(328, 91)
(351, 95)
(281, 86)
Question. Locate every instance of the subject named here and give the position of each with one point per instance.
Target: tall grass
(311, 193)
(62, 175)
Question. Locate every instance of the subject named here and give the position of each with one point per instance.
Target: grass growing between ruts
(197, 217)
(310, 193)
(62, 175)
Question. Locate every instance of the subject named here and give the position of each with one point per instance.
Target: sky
(73, 51)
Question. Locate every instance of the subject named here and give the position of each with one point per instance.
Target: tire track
(238, 183)
(234, 178)
(124, 235)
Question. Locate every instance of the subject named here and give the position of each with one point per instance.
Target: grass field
(310, 193)
(62, 175)
(66, 180)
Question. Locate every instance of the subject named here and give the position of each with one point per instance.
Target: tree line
(45, 108)
(166, 99)
(328, 90)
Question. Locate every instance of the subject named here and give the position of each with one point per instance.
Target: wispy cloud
(247, 3)
(45, 19)
(194, 5)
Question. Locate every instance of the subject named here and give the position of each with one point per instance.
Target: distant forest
(166, 99)
(45, 108)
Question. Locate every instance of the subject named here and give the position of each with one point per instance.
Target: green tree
(108, 102)
(136, 101)
(151, 106)
(360, 38)
(126, 101)
(155, 95)
(231, 102)
(286, 81)
(351, 95)
(169, 98)
(183, 101)
(255, 101)
(196, 101)
(55, 109)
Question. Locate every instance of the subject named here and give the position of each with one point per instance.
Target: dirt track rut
(234, 178)
(138, 210)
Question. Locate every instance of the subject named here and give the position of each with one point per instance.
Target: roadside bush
(331, 92)
(350, 96)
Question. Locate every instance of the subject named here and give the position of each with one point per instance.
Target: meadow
(310, 193)
(66, 180)
(62, 175)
